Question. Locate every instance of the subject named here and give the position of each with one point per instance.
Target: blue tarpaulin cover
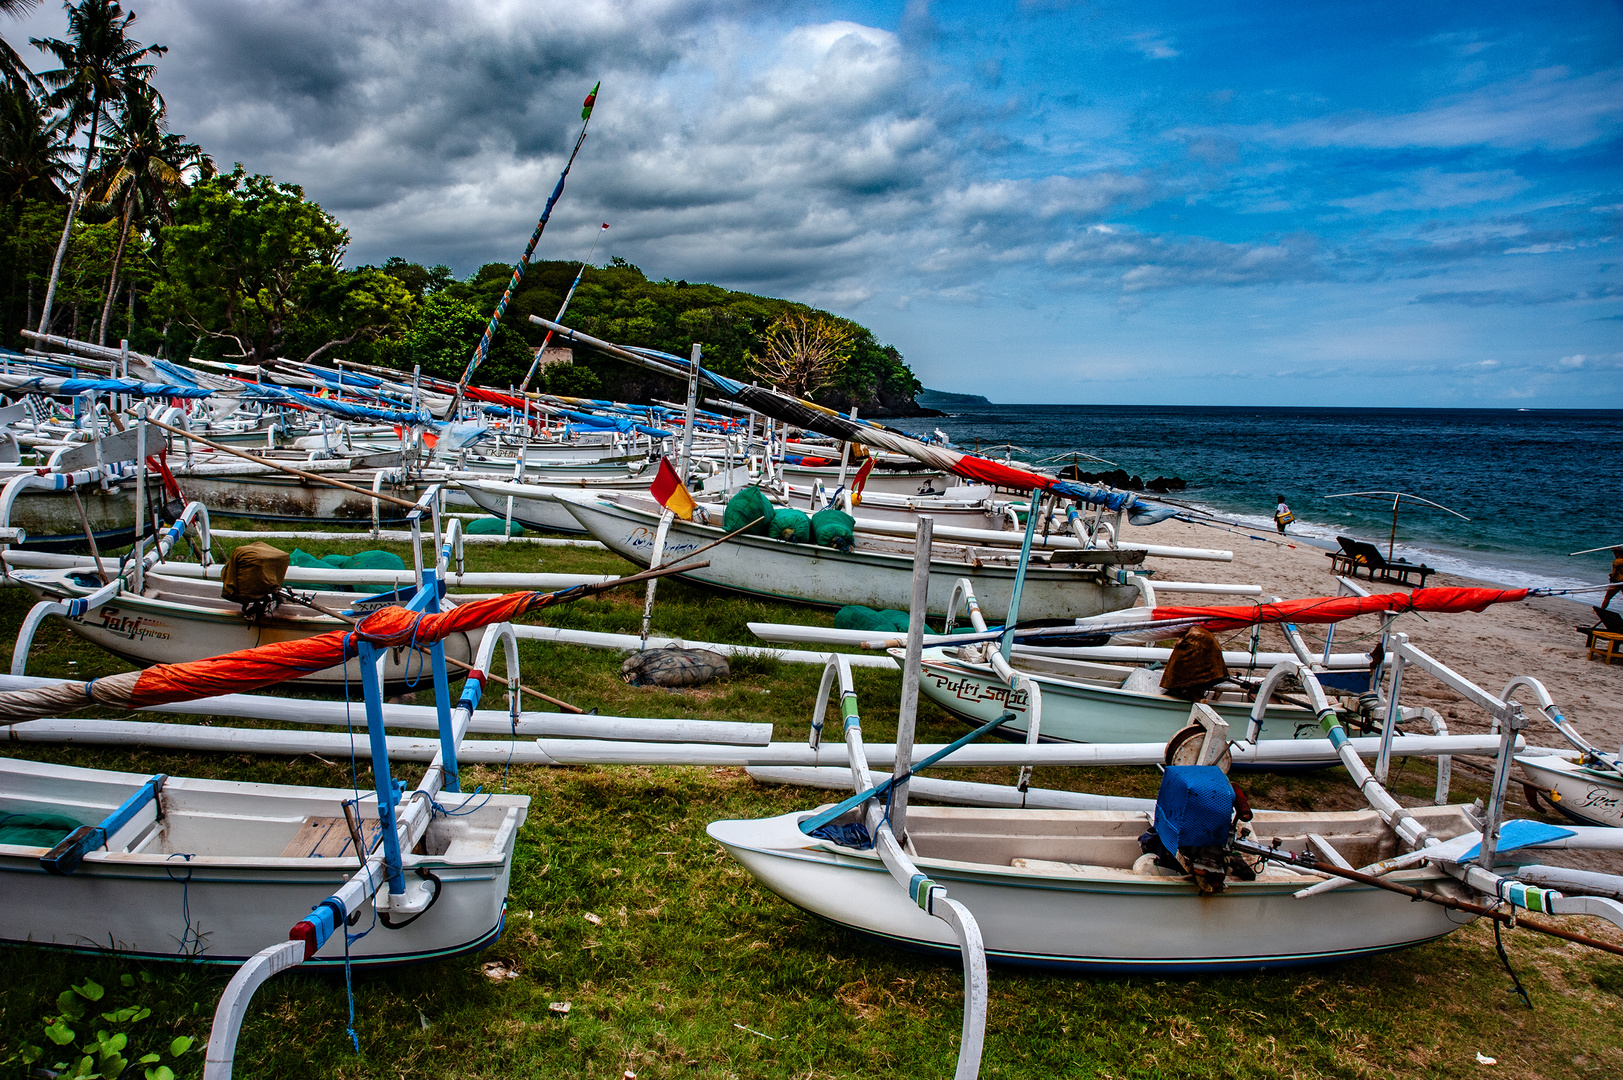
(266, 392)
(1194, 807)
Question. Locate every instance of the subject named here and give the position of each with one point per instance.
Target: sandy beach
(1534, 637)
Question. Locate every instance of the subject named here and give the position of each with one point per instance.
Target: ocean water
(1536, 484)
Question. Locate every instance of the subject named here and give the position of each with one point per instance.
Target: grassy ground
(694, 971)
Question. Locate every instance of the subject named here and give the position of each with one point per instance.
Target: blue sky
(1268, 203)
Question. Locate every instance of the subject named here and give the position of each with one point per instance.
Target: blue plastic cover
(1194, 807)
(268, 392)
(1519, 833)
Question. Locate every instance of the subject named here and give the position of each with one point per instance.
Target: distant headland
(942, 397)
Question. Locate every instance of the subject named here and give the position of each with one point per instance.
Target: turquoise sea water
(1536, 484)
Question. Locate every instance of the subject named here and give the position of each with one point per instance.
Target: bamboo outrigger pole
(316, 478)
(535, 364)
(483, 348)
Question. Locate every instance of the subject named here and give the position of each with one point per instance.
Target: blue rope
(355, 789)
(189, 938)
(436, 809)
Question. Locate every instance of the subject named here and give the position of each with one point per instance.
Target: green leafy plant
(101, 1053)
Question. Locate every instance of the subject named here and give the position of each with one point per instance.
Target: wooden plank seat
(328, 838)
(1357, 554)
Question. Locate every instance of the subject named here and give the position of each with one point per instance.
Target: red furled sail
(267, 665)
(1329, 609)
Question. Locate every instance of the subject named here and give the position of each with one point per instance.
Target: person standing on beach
(1617, 577)
(1282, 516)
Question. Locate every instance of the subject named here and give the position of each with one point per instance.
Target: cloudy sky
(1381, 203)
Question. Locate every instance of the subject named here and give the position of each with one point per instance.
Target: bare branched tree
(802, 352)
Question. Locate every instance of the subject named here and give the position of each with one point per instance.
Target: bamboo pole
(510, 683)
(1414, 893)
(290, 470)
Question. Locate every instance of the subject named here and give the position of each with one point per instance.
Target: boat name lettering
(1601, 798)
(643, 537)
(125, 626)
(968, 689)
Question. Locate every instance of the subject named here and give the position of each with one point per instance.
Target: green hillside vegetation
(247, 269)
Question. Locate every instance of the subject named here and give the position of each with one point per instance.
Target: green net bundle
(791, 525)
(834, 528)
(743, 508)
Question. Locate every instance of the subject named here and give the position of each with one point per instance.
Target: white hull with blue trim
(210, 871)
(876, 572)
(1058, 888)
(1585, 794)
(1089, 703)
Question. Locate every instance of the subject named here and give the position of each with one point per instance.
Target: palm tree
(12, 67)
(142, 166)
(98, 59)
(34, 147)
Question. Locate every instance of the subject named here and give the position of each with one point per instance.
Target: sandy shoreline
(1534, 637)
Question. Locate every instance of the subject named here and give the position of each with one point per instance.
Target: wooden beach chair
(1604, 640)
(1358, 554)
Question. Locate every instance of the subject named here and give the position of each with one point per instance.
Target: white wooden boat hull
(207, 882)
(282, 498)
(1584, 795)
(146, 630)
(1079, 712)
(538, 509)
(51, 518)
(1116, 921)
(807, 574)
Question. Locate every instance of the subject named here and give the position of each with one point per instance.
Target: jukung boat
(875, 572)
(1200, 883)
(211, 870)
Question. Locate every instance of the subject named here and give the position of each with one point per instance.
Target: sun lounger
(1356, 555)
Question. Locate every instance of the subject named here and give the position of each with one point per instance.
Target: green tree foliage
(143, 166)
(619, 303)
(35, 146)
(98, 59)
(444, 335)
(252, 269)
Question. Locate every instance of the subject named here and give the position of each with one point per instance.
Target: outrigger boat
(1199, 882)
(875, 572)
(246, 855)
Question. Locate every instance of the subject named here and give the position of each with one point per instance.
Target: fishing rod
(483, 348)
(535, 364)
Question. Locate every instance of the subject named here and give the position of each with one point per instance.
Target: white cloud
(1153, 45)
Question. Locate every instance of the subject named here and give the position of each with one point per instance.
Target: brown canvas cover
(252, 573)
(1195, 664)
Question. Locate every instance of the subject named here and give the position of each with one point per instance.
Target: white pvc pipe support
(1280, 752)
(425, 718)
(264, 741)
(631, 643)
(233, 1006)
(317, 575)
(397, 536)
(954, 792)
